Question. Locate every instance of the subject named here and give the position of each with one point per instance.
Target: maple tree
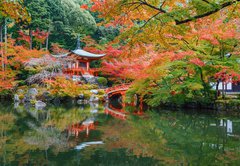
(13, 62)
(173, 50)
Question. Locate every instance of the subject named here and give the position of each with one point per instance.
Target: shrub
(103, 81)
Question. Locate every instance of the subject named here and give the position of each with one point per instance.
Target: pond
(70, 135)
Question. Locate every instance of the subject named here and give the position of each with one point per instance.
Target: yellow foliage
(64, 87)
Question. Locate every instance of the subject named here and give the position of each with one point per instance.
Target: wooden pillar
(87, 66)
(77, 64)
(141, 105)
(123, 99)
(77, 67)
(87, 131)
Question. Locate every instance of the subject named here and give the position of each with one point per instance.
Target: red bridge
(116, 90)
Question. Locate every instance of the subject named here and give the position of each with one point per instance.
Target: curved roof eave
(81, 52)
(60, 55)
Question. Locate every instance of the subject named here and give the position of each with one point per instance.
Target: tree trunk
(1, 41)
(223, 90)
(206, 92)
(47, 40)
(217, 90)
(30, 35)
(5, 47)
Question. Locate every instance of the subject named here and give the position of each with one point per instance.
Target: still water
(71, 135)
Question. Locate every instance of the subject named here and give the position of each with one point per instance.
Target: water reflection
(85, 126)
(111, 135)
(115, 112)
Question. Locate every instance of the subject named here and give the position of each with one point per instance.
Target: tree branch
(178, 22)
(207, 13)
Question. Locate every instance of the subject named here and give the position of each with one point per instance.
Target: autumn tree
(173, 50)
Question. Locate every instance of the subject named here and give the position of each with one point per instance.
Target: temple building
(81, 65)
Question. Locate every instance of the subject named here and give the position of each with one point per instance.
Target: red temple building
(81, 65)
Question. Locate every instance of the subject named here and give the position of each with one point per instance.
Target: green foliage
(102, 80)
(105, 34)
(40, 16)
(69, 20)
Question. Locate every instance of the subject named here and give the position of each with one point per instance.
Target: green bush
(103, 81)
(238, 96)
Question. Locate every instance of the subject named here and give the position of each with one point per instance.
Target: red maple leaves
(228, 76)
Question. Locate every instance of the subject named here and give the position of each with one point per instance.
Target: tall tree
(40, 17)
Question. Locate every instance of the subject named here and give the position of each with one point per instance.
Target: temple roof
(80, 52)
(83, 53)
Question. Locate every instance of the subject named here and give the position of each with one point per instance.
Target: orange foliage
(14, 10)
(13, 58)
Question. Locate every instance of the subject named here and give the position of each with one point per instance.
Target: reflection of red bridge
(117, 113)
(117, 90)
(76, 129)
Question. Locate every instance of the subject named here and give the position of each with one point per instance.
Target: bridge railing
(118, 87)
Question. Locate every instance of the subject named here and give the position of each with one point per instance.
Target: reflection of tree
(6, 124)
(43, 138)
(25, 139)
(62, 118)
(172, 137)
(169, 137)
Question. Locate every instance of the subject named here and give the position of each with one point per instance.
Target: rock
(16, 98)
(94, 111)
(94, 91)
(56, 101)
(26, 98)
(93, 99)
(20, 91)
(94, 105)
(16, 105)
(81, 96)
(31, 95)
(106, 98)
(90, 79)
(39, 104)
(80, 101)
(33, 91)
(47, 96)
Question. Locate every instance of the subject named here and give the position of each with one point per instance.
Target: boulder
(81, 96)
(16, 105)
(27, 98)
(94, 91)
(106, 97)
(80, 101)
(16, 98)
(32, 91)
(93, 99)
(39, 104)
(94, 111)
(20, 91)
(56, 101)
(47, 96)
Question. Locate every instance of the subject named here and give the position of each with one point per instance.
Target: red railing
(122, 87)
(80, 71)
